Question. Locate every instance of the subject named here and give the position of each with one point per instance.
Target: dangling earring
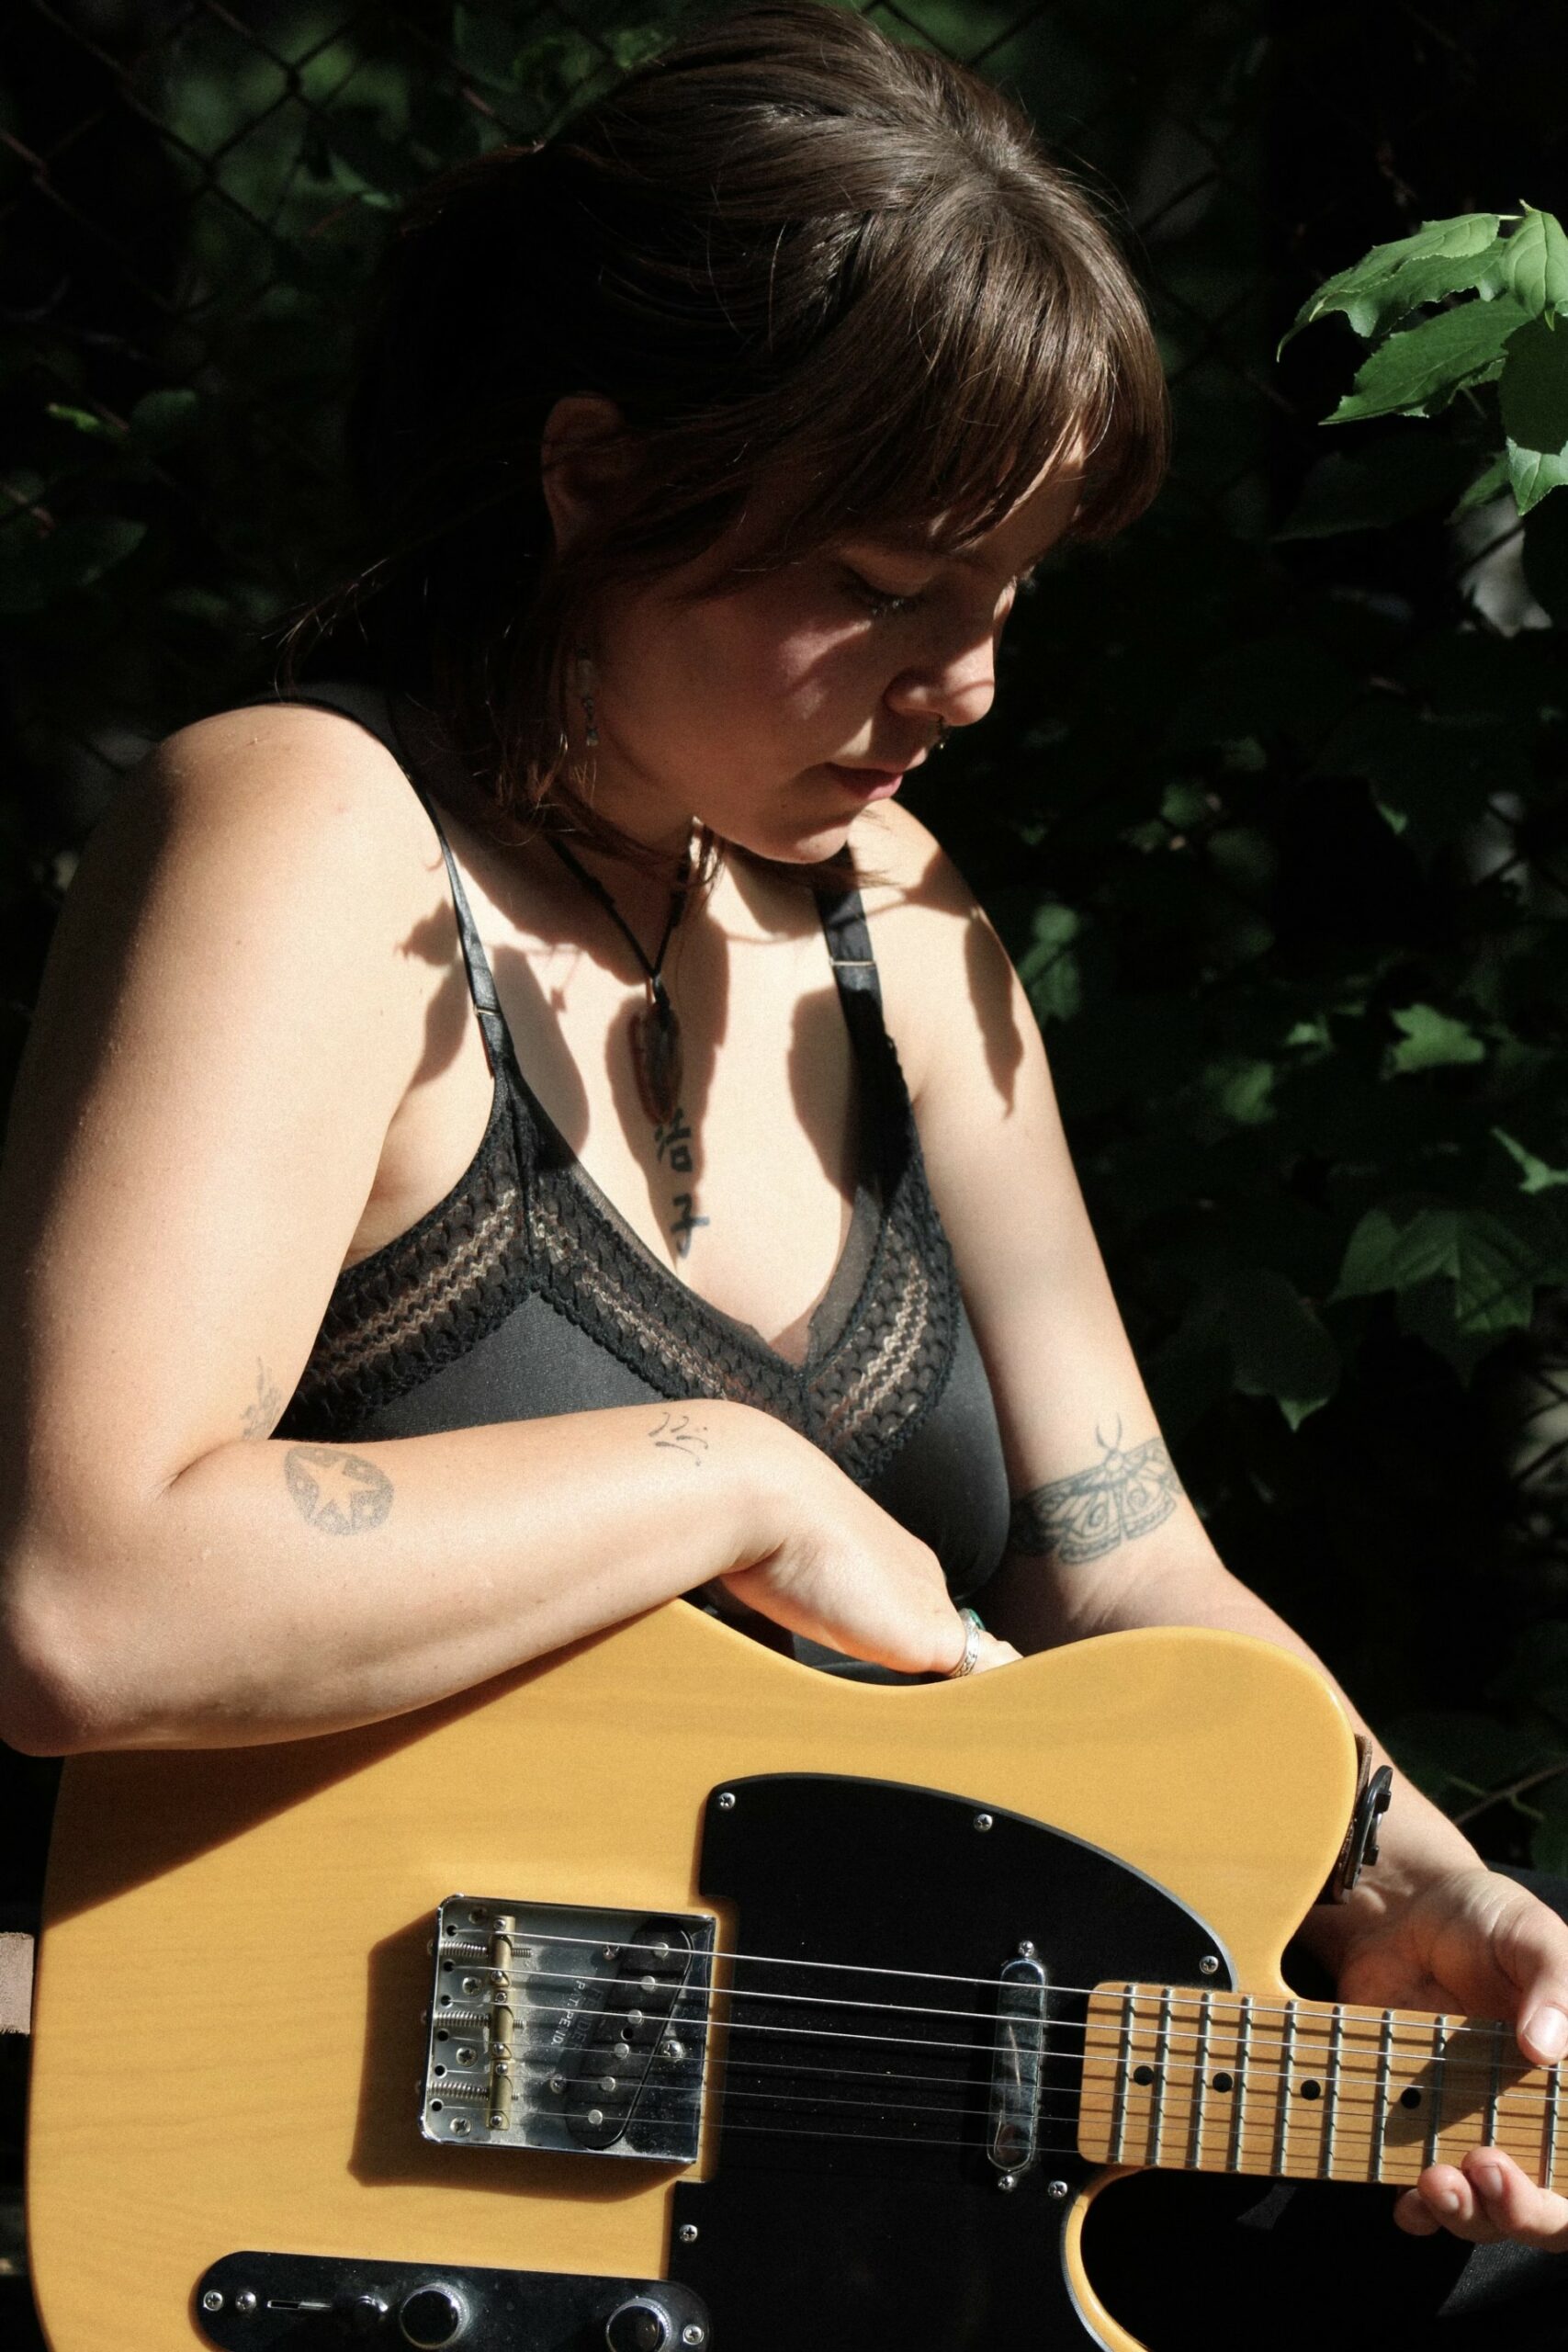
(942, 738)
(586, 680)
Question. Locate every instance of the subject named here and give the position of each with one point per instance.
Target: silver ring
(971, 1658)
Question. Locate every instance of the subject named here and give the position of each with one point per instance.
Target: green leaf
(1535, 262)
(1536, 1175)
(1278, 1346)
(162, 418)
(81, 420)
(1533, 394)
(1496, 1263)
(1375, 487)
(1047, 966)
(1418, 370)
(1442, 257)
(1492, 477)
(1433, 1040)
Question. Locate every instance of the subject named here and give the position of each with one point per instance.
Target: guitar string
(1350, 2012)
(1125, 2039)
(1346, 2080)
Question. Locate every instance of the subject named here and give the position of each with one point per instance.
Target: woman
(703, 454)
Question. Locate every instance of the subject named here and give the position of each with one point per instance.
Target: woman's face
(776, 712)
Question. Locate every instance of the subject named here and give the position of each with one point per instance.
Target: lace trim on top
(526, 1219)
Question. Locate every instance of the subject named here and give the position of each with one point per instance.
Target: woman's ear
(587, 453)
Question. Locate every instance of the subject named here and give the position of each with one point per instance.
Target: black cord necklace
(656, 1034)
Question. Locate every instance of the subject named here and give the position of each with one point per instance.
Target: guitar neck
(1225, 2082)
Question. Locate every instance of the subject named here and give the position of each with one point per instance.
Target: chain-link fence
(1269, 808)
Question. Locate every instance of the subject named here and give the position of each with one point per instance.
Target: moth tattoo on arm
(1130, 1492)
(336, 1493)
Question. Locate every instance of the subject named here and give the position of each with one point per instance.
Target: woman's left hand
(1471, 1940)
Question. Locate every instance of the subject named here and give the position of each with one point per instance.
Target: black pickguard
(854, 2205)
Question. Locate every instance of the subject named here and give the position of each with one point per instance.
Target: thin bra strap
(482, 981)
(859, 993)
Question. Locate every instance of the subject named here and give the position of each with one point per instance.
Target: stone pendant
(655, 1056)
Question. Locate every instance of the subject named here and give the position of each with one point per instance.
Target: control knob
(641, 2326)
(431, 2317)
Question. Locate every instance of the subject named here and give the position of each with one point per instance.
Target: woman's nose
(955, 692)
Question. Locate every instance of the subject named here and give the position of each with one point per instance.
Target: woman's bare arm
(239, 998)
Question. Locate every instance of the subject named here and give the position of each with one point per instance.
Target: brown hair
(787, 245)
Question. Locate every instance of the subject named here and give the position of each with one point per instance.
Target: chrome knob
(431, 2317)
(641, 2326)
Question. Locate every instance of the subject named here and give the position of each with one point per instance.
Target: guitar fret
(1331, 2089)
(1162, 2054)
(1553, 2084)
(1243, 2057)
(1195, 2145)
(1287, 2060)
(1380, 2096)
(1129, 2028)
(1435, 2118)
(1494, 2090)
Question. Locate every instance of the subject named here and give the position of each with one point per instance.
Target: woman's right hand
(841, 1570)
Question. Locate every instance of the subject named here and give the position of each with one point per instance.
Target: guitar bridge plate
(567, 2027)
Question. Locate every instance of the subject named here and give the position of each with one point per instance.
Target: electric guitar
(668, 1993)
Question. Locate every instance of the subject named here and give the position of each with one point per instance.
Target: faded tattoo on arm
(336, 1493)
(261, 1412)
(1133, 1490)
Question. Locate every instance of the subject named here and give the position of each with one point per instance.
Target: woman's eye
(881, 602)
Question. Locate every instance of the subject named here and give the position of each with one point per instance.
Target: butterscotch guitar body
(234, 2054)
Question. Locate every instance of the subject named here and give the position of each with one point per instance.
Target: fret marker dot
(1144, 2074)
(1224, 2081)
(1410, 2098)
(1312, 2090)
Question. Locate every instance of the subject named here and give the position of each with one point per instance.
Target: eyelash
(877, 602)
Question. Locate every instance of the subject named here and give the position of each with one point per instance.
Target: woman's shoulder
(285, 793)
(945, 976)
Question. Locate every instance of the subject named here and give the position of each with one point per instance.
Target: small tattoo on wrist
(261, 1414)
(1128, 1494)
(682, 1435)
(338, 1493)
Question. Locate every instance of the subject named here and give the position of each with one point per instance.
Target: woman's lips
(868, 783)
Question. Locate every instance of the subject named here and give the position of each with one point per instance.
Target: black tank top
(523, 1293)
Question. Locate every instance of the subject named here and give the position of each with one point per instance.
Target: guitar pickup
(1016, 2066)
(567, 2027)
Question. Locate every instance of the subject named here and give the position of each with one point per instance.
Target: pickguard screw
(245, 2300)
(982, 1821)
(557, 2084)
(726, 1805)
(687, 2233)
(692, 2333)
(1056, 2188)
(1026, 1949)
(671, 2050)
(1008, 2181)
(1209, 1965)
(212, 2300)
